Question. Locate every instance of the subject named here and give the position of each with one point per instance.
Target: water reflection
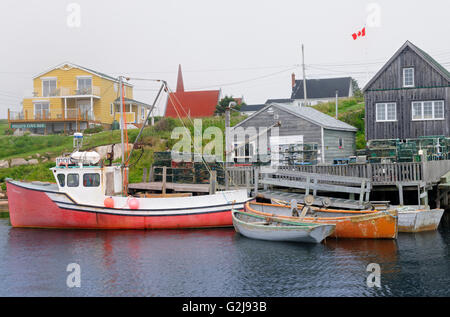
(216, 262)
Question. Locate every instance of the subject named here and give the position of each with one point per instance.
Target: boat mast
(121, 121)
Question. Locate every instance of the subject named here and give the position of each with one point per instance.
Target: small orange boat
(369, 224)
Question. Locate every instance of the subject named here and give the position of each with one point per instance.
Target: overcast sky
(246, 48)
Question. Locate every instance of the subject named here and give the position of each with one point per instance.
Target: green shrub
(8, 131)
(96, 129)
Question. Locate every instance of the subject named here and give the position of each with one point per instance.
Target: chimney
(293, 80)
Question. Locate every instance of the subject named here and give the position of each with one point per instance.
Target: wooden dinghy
(274, 229)
(416, 219)
(349, 223)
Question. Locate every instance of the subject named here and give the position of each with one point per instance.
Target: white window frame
(433, 110)
(142, 113)
(40, 103)
(384, 104)
(85, 77)
(404, 77)
(47, 79)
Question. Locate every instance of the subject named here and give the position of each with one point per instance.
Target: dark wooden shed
(409, 97)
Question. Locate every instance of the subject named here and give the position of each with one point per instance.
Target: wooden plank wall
(390, 79)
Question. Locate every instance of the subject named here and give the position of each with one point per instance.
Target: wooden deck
(379, 174)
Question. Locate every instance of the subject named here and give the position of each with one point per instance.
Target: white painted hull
(290, 234)
(419, 220)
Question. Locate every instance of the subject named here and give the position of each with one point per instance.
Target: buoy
(133, 203)
(109, 202)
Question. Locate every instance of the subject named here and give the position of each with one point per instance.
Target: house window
(41, 110)
(341, 143)
(48, 87)
(428, 110)
(386, 111)
(408, 77)
(84, 85)
(143, 113)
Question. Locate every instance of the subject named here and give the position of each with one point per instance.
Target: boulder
(4, 164)
(38, 155)
(18, 161)
(102, 150)
(33, 161)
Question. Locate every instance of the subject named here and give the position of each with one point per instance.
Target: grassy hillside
(351, 111)
(154, 138)
(3, 126)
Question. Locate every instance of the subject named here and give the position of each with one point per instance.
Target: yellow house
(70, 98)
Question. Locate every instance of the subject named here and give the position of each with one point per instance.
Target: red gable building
(194, 104)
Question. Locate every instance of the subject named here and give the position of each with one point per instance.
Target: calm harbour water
(218, 262)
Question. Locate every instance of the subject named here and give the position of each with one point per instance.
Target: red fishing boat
(45, 205)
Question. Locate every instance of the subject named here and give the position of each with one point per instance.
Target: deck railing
(70, 114)
(67, 91)
(405, 173)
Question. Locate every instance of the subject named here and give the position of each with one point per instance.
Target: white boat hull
(419, 220)
(314, 234)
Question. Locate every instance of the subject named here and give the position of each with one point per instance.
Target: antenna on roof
(304, 77)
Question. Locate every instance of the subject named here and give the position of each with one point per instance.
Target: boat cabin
(88, 182)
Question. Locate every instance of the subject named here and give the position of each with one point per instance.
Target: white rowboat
(274, 229)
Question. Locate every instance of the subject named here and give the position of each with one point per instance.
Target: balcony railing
(71, 115)
(67, 91)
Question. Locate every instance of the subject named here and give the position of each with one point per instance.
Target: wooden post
(151, 177)
(438, 197)
(212, 182)
(307, 185)
(445, 198)
(256, 181)
(144, 175)
(247, 179)
(164, 180)
(226, 178)
(400, 194)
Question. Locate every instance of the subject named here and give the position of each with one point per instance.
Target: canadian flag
(359, 34)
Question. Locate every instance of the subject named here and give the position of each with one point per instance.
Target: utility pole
(305, 99)
(228, 146)
(337, 92)
(121, 119)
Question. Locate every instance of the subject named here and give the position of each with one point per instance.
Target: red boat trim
(147, 215)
